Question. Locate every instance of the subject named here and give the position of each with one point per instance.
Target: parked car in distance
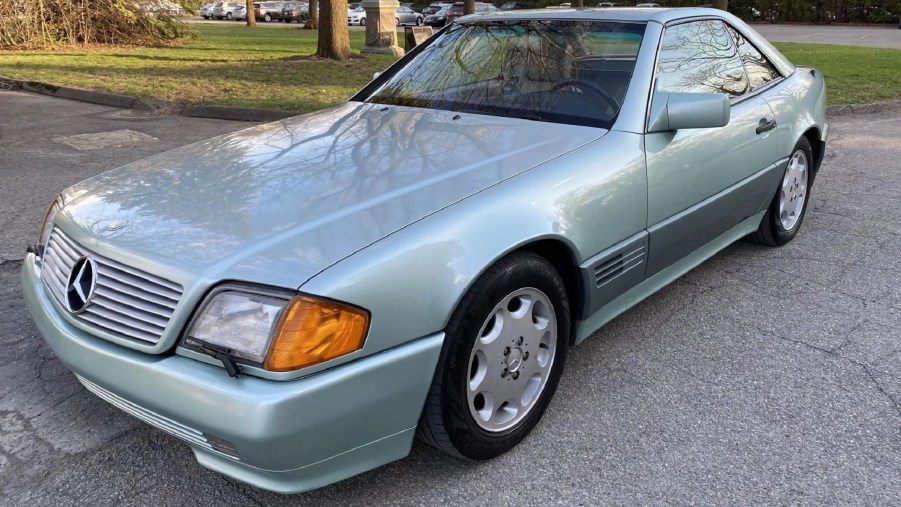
(268, 11)
(165, 7)
(206, 12)
(224, 10)
(357, 17)
(407, 16)
(298, 300)
(456, 10)
(435, 7)
(403, 16)
(608, 4)
(240, 13)
(647, 5)
(296, 11)
(437, 15)
(512, 6)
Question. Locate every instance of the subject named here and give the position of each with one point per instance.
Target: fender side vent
(612, 267)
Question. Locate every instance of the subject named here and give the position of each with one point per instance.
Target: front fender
(411, 281)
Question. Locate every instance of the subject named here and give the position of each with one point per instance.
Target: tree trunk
(721, 4)
(334, 39)
(469, 6)
(251, 16)
(578, 3)
(313, 14)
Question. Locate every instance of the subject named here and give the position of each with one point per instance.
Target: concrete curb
(267, 115)
(892, 106)
(236, 113)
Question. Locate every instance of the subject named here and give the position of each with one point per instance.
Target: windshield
(574, 72)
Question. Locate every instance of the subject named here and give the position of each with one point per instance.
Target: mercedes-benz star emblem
(80, 286)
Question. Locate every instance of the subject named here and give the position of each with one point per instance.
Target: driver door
(703, 182)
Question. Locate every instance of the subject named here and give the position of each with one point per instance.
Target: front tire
(503, 354)
(783, 218)
(362, 21)
(228, 16)
(418, 21)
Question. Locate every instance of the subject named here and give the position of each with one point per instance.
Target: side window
(701, 57)
(760, 70)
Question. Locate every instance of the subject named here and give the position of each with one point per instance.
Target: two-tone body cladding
(298, 300)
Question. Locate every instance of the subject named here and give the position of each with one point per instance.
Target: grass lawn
(227, 64)
(854, 75)
(259, 67)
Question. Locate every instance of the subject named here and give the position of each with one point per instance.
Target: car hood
(279, 202)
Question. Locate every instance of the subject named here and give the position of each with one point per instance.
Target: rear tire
(228, 16)
(785, 214)
(503, 354)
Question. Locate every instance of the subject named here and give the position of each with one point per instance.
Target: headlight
(47, 226)
(276, 331)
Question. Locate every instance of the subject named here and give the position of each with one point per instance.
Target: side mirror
(674, 111)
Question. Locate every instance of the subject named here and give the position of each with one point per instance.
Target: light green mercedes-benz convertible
(298, 300)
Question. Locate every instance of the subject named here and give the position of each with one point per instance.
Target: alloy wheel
(511, 359)
(794, 190)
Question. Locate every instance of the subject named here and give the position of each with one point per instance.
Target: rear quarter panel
(799, 103)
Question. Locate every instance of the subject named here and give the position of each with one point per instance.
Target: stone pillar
(381, 27)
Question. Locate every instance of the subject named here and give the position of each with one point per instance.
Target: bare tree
(721, 4)
(469, 6)
(334, 39)
(313, 16)
(251, 15)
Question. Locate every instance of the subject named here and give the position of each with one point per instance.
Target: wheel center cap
(514, 361)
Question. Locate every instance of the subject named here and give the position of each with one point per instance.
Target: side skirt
(585, 328)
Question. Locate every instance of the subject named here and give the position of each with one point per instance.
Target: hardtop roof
(660, 15)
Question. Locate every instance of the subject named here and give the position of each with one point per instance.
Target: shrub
(39, 24)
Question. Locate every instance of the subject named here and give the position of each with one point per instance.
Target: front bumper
(288, 436)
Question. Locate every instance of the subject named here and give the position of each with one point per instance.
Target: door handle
(766, 127)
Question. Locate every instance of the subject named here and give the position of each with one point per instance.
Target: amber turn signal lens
(313, 331)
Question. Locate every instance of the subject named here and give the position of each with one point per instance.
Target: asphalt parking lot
(764, 376)
(874, 36)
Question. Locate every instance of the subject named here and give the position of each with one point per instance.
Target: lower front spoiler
(288, 436)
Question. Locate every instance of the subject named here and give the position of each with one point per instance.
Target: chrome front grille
(126, 301)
